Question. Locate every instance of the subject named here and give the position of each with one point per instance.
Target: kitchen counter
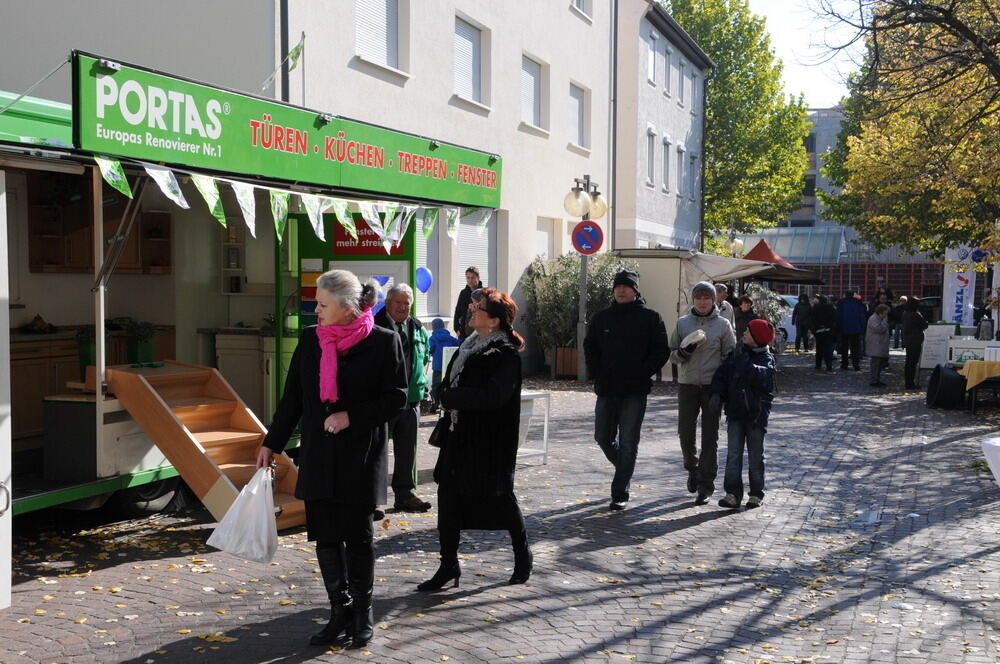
(245, 331)
(62, 335)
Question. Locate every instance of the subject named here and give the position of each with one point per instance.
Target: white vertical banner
(959, 286)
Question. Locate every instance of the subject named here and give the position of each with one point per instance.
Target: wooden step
(290, 510)
(201, 413)
(179, 385)
(240, 473)
(226, 435)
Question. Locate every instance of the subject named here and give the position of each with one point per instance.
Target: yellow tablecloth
(976, 371)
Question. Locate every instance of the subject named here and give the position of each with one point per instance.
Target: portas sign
(131, 111)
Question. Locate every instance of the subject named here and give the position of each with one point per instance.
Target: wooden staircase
(206, 431)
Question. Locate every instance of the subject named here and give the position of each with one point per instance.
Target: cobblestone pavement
(877, 542)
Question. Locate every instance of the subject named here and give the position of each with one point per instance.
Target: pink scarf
(335, 340)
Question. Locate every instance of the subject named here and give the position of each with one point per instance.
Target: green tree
(755, 158)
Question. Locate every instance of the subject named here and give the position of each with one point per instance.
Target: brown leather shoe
(412, 504)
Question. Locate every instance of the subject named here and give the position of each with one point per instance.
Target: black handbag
(439, 436)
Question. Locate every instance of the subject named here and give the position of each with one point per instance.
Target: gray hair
(721, 288)
(397, 289)
(348, 290)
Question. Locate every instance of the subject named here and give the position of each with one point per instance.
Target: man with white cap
(699, 343)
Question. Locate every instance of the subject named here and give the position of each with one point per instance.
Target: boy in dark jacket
(745, 382)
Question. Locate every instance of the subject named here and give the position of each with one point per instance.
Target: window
(695, 96)
(651, 59)
(377, 36)
(809, 188)
(680, 170)
(668, 70)
(666, 164)
(531, 92)
(468, 61)
(692, 176)
(811, 143)
(681, 80)
(650, 156)
(577, 116)
(544, 238)
(581, 5)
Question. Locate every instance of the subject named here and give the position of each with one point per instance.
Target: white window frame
(480, 101)
(397, 44)
(650, 156)
(694, 91)
(667, 148)
(582, 9)
(668, 71)
(681, 80)
(651, 59)
(539, 125)
(681, 152)
(583, 118)
(692, 176)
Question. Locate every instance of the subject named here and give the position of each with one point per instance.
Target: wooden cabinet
(238, 358)
(38, 369)
(61, 228)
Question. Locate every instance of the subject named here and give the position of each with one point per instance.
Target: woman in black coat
(824, 323)
(913, 324)
(346, 381)
(481, 392)
(744, 314)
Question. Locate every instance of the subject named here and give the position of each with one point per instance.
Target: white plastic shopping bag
(248, 529)
(991, 450)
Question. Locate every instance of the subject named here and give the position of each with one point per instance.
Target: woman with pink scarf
(346, 381)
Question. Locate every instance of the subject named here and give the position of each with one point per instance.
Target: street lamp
(584, 200)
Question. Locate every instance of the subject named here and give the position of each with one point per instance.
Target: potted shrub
(140, 342)
(552, 292)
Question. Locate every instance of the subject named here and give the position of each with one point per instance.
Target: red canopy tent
(781, 269)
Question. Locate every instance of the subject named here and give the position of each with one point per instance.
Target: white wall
(538, 169)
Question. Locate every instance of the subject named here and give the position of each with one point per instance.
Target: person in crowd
(461, 318)
(395, 316)
(697, 362)
(896, 321)
(880, 299)
(877, 342)
(481, 391)
(824, 326)
(745, 383)
(346, 381)
(802, 320)
(722, 301)
(851, 320)
(744, 314)
(439, 340)
(913, 325)
(625, 345)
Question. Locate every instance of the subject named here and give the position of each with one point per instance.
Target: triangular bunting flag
(429, 217)
(210, 192)
(343, 214)
(451, 223)
(279, 210)
(111, 171)
(403, 220)
(167, 182)
(479, 216)
(370, 214)
(248, 204)
(315, 205)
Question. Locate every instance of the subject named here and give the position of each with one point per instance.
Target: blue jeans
(618, 421)
(744, 434)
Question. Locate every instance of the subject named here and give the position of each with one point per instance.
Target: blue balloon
(425, 279)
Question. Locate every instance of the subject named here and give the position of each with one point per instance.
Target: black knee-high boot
(449, 570)
(523, 558)
(333, 566)
(361, 579)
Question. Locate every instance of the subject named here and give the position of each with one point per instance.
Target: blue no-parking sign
(587, 237)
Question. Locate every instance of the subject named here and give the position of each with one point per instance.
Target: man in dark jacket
(625, 345)
(395, 316)
(852, 319)
(461, 319)
(802, 320)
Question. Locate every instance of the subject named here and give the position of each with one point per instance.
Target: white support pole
(97, 204)
(6, 475)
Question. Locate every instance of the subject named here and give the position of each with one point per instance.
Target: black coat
(914, 325)
(743, 319)
(478, 456)
(349, 466)
(625, 345)
(745, 381)
(824, 317)
(802, 313)
(461, 317)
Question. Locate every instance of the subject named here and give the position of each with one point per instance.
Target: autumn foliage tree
(919, 157)
(755, 157)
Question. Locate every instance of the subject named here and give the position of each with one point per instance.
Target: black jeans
(802, 334)
(692, 399)
(824, 350)
(912, 367)
(403, 430)
(850, 347)
(617, 424)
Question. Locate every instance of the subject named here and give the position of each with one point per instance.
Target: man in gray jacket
(697, 363)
